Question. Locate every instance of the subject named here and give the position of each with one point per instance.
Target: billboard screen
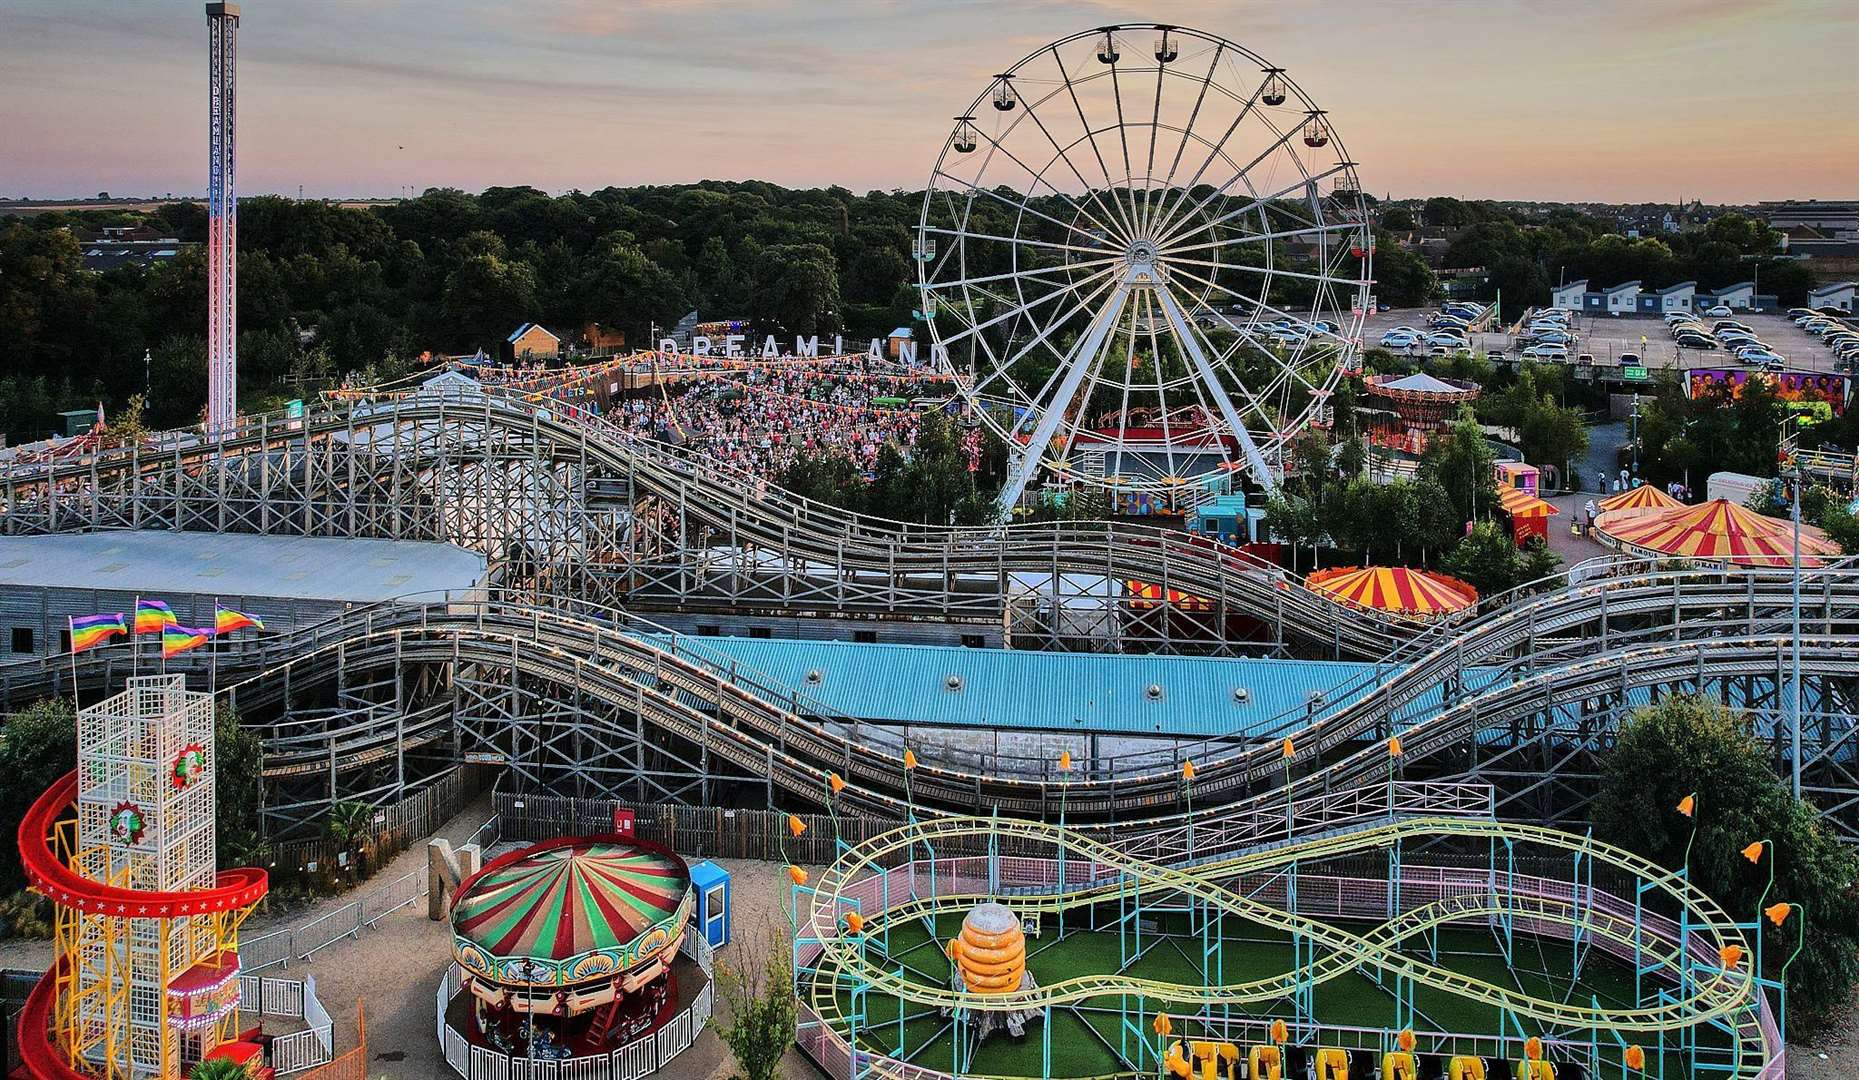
(1790, 386)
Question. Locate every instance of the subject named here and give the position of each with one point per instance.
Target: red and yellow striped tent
(1637, 502)
(1519, 503)
(1396, 590)
(1717, 531)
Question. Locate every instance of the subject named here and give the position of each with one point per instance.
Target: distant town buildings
(532, 342)
(1824, 233)
(1629, 298)
(126, 245)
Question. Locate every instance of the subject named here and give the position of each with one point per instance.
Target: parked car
(1393, 340)
(1547, 352)
(1496, 356)
(1449, 341)
(1629, 359)
(1695, 341)
(1585, 358)
(1720, 309)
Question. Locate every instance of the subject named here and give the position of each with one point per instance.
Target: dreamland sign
(732, 345)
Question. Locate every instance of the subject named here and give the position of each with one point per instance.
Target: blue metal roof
(1051, 691)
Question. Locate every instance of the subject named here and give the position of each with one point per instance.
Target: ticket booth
(712, 884)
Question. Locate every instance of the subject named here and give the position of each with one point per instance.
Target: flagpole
(71, 636)
(213, 659)
(135, 642)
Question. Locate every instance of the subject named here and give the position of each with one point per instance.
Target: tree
(1398, 219)
(218, 1069)
(1402, 278)
(1485, 558)
(758, 991)
(348, 822)
(1686, 745)
(796, 290)
(1459, 460)
(38, 746)
(239, 791)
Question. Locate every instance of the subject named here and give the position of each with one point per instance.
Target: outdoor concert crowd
(763, 419)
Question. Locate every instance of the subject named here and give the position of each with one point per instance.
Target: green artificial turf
(1099, 1037)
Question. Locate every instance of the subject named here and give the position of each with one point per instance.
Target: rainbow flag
(89, 631)
(176, 638)
(226, 620)
(153, 617)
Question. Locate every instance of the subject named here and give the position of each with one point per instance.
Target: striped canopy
(1520, 503)
(1395, 590)
(541, 917)
(1717, 531)
(1637, 501)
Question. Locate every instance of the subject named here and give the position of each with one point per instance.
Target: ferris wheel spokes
(1075, 367)
(1040, 264)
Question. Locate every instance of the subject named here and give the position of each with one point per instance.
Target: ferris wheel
(1146, 257)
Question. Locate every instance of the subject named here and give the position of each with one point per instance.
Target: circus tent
(1637, 502)
(1396, 590)
(1716, 531)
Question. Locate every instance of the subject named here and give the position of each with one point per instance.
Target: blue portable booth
(712, 884)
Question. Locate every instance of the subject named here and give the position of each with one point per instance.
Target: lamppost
(1794, 706)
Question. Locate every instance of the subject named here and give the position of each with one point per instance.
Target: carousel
(568, 947)
(1408, 409)
(1718, 531)
(1413, 595)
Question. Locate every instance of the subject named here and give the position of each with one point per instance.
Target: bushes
(1688, 744)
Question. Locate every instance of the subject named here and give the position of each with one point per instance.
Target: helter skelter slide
(145, 982)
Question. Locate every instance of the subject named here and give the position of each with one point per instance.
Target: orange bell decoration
(1065, 760)
(1280, 1032)
(1731, 955)
(1405, 1040)
(1688, 806)
(1533, 1048)
(1289, 750)
(1754, 851)
(1635, 1057)
(1778, 913)
(910, 759)
(1162, 1026)
(1187, 770)
(1394, 746)
(833, 781)
(855, 923)
(796, 826)
(797, 875)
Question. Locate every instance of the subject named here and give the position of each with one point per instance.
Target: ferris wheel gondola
(1139, 277)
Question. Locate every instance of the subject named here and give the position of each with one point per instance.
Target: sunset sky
(1726, 100)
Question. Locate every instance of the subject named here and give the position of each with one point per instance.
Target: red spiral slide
(67, 888)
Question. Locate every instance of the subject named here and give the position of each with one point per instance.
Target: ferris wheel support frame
(1077, 366)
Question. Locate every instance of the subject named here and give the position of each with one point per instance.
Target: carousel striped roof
(559, 902)
(1397, 590)
(1718, 531)
(1639, 499)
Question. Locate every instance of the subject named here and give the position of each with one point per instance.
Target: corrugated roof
(1050, 691)
(239, 564)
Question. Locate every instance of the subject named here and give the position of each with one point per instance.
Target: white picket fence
(289, 999)
(636, 1059)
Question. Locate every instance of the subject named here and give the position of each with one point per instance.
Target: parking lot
(1606, 337)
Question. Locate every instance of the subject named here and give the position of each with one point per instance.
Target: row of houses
(1630, 298)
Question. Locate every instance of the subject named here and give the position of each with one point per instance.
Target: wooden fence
(394, 829)
(693, 831)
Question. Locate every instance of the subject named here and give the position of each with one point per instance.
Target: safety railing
(302, 942)
(636, 1059)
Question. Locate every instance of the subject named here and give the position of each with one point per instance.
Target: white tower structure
(145, 799)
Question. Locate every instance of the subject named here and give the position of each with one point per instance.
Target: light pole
(1795, 674)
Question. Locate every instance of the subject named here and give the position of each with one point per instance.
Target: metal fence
(696, 831)
(290, 999)
(348, 921)
(636, 1059)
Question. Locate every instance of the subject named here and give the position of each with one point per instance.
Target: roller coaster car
(1465, 1067)
(1535, 1070)
(1399, 1065)
(1332, 1063)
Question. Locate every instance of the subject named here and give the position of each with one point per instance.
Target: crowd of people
(762, 419)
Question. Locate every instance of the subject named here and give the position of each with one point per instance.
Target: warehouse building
(288, 581)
